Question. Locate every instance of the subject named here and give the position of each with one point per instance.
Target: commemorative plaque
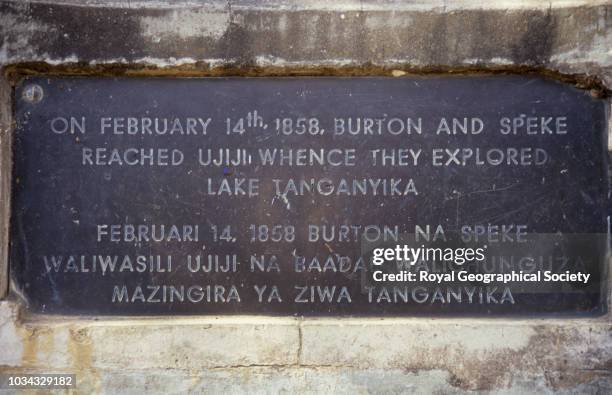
(477, 195)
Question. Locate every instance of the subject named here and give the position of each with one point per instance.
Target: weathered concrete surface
(5, 181)
(477, 354)
(270, 355)
(169, 343)
(566, 36)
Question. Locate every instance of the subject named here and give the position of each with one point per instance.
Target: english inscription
(269, 195)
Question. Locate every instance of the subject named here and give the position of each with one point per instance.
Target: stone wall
(568, 40)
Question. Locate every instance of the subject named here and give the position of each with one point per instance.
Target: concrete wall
(569, 40)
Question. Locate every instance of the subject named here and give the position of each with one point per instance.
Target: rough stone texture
(69, 343)
(566, 36)
(5, 181)
(270, 355)
(477, 354)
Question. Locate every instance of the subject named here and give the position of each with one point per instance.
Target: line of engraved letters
(222, 170)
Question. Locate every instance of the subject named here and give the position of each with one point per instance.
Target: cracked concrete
(565, 36)
(461, 354)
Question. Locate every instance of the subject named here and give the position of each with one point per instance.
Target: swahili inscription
(283, 196)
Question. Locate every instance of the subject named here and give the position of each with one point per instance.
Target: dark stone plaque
(274, 196)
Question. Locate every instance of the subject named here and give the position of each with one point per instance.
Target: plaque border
(12, 75)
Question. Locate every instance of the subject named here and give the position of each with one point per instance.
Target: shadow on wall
(536, 44)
